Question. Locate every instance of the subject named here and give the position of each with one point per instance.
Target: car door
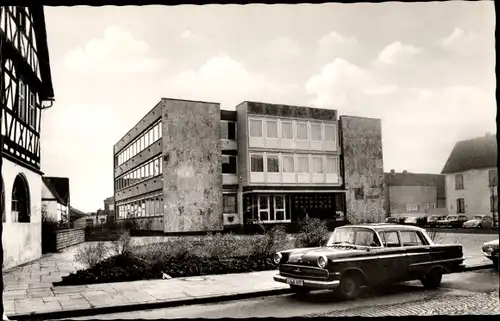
(418, 253)
(391, 257)
(487, 222)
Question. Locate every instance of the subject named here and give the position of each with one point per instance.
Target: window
(359, 193)
(433, 205)
(302, 131)
(288, 164)
(279, 208)
(460, 205)
(410, 238)
(229, 164)
(459, 181)
(330, 134)
(331, 165)
(21, 107)
(390, 239)
(286, 130)
(229, 203)
(412, 207)
(493, 177)
(494, 204)
(273, 164)
(257, 163)
(156, 167)
(366, 238)
(272, 128)
(316, 132)
(263, 208)
(255, 128)
(426, 206)
(32, 111)
(317, 162)
(228, 130)
(303, 164)
(155, 133)
(20, 205)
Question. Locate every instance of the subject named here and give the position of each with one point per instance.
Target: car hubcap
(349, 286)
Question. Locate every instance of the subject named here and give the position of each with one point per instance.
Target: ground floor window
(20, 206)
(145, 207)
(229, 204)
(460, 205)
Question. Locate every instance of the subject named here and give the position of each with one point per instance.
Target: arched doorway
(21, 200)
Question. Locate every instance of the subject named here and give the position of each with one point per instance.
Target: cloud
(464, 44)
(333, 44)
(282, 48)
(191, 37)
(341, 83)
(397, 53)
(117, 52)
(453, 37)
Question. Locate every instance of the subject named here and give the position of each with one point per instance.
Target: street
(461, 293)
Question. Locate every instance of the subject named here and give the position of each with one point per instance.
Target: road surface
(461, 293)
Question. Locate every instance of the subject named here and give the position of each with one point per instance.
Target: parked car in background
(479, 221)
(370, 255)
(490, 250)
(392, 219)
(453, 220)
(433, 219)
(411, 220)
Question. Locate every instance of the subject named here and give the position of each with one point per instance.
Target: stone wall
(69, 237)
(191, 166)
(361, 141)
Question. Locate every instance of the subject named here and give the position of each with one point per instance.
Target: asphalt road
(476, 292)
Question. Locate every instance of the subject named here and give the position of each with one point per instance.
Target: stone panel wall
(69, 237)
(361, 140)
(191, 166)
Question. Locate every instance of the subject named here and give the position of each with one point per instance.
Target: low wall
(69, 237)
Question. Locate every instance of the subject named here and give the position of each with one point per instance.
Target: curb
(475, 267)
(146, 306)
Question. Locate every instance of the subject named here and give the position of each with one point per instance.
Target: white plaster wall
(476, 192)
(51, 209)
(21, 241)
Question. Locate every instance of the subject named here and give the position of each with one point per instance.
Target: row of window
(152, 206)
(288, 129)
(492, 179)
(149, 169)
(416, 207)
(139, 144)
(290, 163)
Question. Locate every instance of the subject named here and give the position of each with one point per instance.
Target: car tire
(299, 289)
(433, 279)
(349, 287)
(479, 226)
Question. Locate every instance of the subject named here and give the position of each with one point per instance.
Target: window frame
(419, 237)
(253, 121)
(284, 124)
(314, 124)
(301, 123)
(268, 121)
(277, 163)
(308, 163)
(260, 157)
(383, 239)
(326, 137)
(283, 157)
(225, 205)
(460, 203)
(459, 186)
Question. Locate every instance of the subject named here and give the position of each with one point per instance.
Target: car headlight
(277, 258)
(322, 261)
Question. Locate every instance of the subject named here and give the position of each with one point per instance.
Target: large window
(255, 128)
(315, 132)
(20, 205)
(330, 133)
(460, 205)
(143, 172)
(273, 164)
(272, 128)
(228, 130)
(317, 164)
(493, 177)
(229, 164)
(302, 131)
(144, 207)
(229, 203)
(412, 207)
(263, 208)
(257, 163)
(303, 164)
(459, 181)
(280, 208)
(149, 137)
(288, 164)
(286, 130)
(331, 165)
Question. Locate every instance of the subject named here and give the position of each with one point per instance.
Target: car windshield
(478, 217)
(433, 217)
(354, 236)
(452, 217)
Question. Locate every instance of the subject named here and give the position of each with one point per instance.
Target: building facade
(472, 177)
(26, 87)
(415, 194)
(56, 198)
(200, 168)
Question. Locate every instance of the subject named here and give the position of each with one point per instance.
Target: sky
(427, 70)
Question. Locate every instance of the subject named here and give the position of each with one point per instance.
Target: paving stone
(75, 304)
(40, 294)
(69, 289)
(39, 285)
(76, 296)
(63, 297)
(138, 297)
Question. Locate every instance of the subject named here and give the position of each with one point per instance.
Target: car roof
(385, 226)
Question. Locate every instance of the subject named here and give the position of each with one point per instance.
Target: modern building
(56, 198)
(188, 166)
(472, 177)
(414, 194)
(26, 89)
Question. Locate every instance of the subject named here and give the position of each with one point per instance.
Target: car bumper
(314, 284)
(491, 255)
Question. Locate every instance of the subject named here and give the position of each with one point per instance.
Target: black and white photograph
(248, 160)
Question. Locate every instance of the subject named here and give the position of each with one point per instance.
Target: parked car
(392, 219)
(490, 250)
(453, 221)
(479, 221)
(368, 255)
(433, 219)
(411, 220)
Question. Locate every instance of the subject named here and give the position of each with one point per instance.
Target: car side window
(366, 238)
(390, 239)
(411, 238)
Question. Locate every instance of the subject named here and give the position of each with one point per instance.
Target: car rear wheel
(299, 289)
(349, 287)
(433, 279)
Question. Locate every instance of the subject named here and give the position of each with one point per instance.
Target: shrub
(219, 245)
(264, 245)
(313, 233)
(90, 254)
(122, 245)
(435, 235)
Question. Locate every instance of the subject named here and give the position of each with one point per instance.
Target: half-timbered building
(25, 90)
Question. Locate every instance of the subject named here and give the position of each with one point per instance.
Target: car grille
(305, 272)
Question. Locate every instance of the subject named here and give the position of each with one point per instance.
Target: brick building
(188, 166)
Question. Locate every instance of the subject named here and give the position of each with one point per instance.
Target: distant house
(412, 193)
(472, 177)
(78, 218)
(56, 197)
(109, 204)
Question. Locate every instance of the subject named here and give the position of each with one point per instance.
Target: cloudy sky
(425, 69)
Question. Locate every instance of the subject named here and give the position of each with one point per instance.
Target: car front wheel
(349, 287)
(299, 289)
(433, 279)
